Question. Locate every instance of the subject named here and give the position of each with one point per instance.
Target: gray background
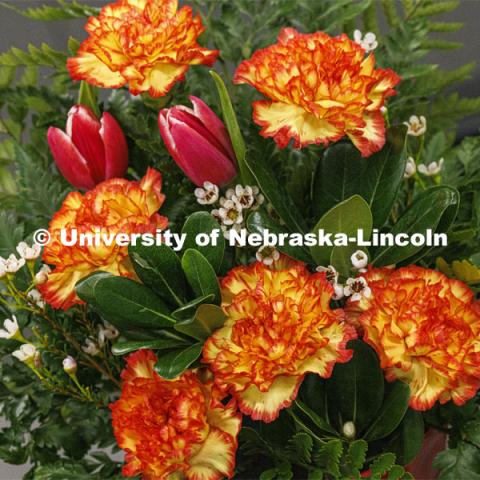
(18, 31)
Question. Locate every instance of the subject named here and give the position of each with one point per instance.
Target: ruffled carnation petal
(425, 329)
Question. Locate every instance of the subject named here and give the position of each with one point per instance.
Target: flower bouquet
(239, 240)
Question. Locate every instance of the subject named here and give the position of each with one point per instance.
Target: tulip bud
(199, 143)
(91, 150)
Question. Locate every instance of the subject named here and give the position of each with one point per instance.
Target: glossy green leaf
(277, 195)
(207, 319)
(85, 288)
(233, 129)
(355, 389)
(130, 304)
(409, 437)
(174, 363)
(260, 221)
(305, 412)
(188, 310)
(200, 275)
(203, 222)
(122, 348)
(376, 179)
(435, 209)
(159, 268)
(391, 414)
(346, 218)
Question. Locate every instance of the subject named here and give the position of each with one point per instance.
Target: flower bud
(41, 276)
(70, 365)
(359, 259)
(91, 150)
(349, 429)
(199, 143)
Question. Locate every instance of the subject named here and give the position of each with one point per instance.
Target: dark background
(18, 31)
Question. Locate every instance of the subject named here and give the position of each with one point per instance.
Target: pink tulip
(199, 143)
(91, 150)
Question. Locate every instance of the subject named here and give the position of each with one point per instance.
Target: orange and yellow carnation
(279, 327)
(148, 44)
(321, 88)
(425, 329)
(173, 428)
(116, 206)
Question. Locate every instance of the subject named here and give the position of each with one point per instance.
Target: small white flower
(331, 273)
(13, 264)
(26, 353)
(208, 194)
(244, 196)
(431, 169)
(359, 259)
(3, 267)
(227, 231)
(29, 253)
(383, 110)
(258, 198)
(108, 332)
(10, 328)
(368, 41)
(417, 126)
(338, 291)
(267, 255)
(36, 298)
(410, 168)
(90, 347)
(356, 288)
(69, 365)
(41, 276)
(230, 213)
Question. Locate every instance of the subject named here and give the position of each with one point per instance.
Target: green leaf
(316, 419)
(207, 319)
(88, 96)
(62, 471)
(277, 195)
(129, 304)
(382, 464)
(65, 11)
(188, 310)
(435, 209)
(355, 389)
(390, 415)
(159, 268)
(300, 445)
(376, 179)
(458, 463)
(346, 218)
(233, 129)
(172, 364)
(85, 288)
(203, 222)
(259, 221)
(357, 452)
(328, 456)
(200, 274)
(122, 348)
(471, 432)
(409, 437)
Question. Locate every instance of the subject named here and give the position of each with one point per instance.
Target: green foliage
(64, 11)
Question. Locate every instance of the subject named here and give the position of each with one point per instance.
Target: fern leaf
(435, 8)
(64, 11)
(300, 445)
(36, 56)
(444, 26)
(328, 456)
(382, 464)
(440, 45)
(390, 12)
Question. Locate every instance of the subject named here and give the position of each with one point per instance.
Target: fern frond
(65, 11)
(36, 56)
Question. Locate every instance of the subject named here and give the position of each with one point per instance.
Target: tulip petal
(199, 160)
(69, 160)
(213, 124)
(84, 129)
(115, 146)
